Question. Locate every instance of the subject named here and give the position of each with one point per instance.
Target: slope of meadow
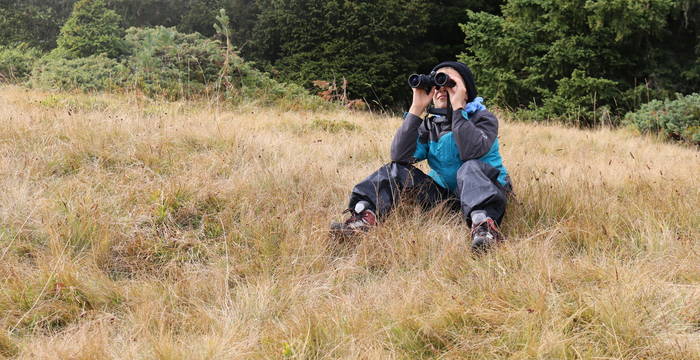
(136, 229)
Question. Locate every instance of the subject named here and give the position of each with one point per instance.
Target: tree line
(581, 61)
(371, 44)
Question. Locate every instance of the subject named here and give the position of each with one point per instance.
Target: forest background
(581, 62)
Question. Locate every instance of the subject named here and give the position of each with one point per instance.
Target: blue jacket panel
(448, 143)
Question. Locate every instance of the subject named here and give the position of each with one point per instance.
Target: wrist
(416, 110)
(458, 105)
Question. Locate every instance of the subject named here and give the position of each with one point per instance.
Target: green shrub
(677, 119)
(165, 62)
(249, 84)
(91, 29)
(16, 62)
(581, 100)
(94, 73)
(242, 81)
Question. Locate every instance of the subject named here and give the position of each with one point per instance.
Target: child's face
(441, 99)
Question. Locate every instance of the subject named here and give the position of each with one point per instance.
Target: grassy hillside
(136, 229)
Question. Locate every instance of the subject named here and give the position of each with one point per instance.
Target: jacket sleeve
(407, 147)
(474, 137)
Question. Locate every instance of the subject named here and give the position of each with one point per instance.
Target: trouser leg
(478, 189)
(383, 188)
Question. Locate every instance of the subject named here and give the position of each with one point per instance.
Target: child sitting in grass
(459, 138)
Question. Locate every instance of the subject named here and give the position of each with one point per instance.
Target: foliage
(38, 22)
(16, 62)
(164, 63)
(580, 61)
(243, 81)
(90, 30)
(145, 13)
(168, 63)
(93, 73)
(576, 57)
(374, 45)
(442, 38)
(200, 16)
(298, 41)
(249, 84)
(34, 22)
(677, 119)
(580, 98)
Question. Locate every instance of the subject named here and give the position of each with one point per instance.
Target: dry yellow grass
(136, 229)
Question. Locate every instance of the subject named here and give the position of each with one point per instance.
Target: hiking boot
(485, 235)
(357, 223)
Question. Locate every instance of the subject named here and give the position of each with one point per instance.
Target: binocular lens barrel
(442, 79)
(427, 82)
(415, 80)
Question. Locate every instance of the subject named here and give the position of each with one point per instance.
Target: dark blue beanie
(466, 74)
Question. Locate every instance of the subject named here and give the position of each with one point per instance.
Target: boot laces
(487, 228)
(361, 219)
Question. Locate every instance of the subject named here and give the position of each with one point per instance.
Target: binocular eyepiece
(427, 82)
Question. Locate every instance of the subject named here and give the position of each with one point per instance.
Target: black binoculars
(427, 82)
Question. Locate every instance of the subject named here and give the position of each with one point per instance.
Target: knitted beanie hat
(466, 74)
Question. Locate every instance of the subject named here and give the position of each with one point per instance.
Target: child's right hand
(421, 100)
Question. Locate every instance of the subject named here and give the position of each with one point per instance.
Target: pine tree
(584, 61)
(91, 29)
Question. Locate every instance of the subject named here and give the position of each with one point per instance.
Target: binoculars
(427, 82)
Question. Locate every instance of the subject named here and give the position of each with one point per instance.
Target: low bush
(677, 119)
(164, 63)
(93, 73)
(167, 63)
(250, 84)
(581, 100)
(16, 62)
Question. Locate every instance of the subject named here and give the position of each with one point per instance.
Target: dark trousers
(477, 189)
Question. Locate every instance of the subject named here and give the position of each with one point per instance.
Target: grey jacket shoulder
(474, 136)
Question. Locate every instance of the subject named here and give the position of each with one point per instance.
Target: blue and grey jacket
(472, 133)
